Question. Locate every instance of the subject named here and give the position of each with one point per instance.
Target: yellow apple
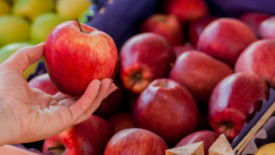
(8, 50)
(72, 9)
(32, 8)
(4, 7)
(13, 29)
(43, 25)
(268, 149)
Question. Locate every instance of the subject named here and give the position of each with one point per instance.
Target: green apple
(8, 50)
(4, 7)
(43, 25)
(32, 8)
(72, 9)
(13, 29)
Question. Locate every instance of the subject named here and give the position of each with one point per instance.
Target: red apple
(135, 141)
(167, 109)
(121, 121)
(208, 138)
(267, 28)
(196, 27)
(225, 39)
(186, 10)
(182, 48)
(116, 69)
(199, 73)
(44, 83)
(234, 101)
(259, 59)
(77, 54)
(168, 26)
(145, 57)
(112, 103)
(253, 20)
(88, 137)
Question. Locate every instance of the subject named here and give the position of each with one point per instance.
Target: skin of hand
(28, 114)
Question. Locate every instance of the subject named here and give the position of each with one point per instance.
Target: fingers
(60, 96)
(24, 57)
(106, 88)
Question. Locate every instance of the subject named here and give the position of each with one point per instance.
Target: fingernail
(111, 81)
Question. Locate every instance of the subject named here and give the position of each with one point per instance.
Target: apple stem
(77, 21)
(55, 148)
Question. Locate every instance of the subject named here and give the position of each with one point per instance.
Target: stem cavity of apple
(77, 21)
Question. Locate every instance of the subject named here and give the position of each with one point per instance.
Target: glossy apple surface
(179, 49)
(208, 138)
(135, 141)
(234, 101)
(74, 58)
(225, 39)
(144, 58)
(168, 26)
(163, 106)
(199, 73)
(259, 59)
(267, 28)
(88, 137)
(43, 82)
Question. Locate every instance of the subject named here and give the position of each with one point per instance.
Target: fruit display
(185, 76)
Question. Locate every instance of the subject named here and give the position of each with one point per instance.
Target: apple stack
(185, 77)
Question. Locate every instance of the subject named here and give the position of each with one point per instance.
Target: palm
(34, 115)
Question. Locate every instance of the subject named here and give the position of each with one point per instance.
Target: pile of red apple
(172, 93)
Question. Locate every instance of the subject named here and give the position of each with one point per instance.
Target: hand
(28, 114)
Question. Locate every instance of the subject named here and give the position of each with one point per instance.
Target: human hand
(28, 114)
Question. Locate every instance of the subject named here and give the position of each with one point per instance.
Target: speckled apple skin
(73, 59)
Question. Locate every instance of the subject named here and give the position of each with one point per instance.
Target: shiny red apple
(121, 121)
(77, 54)
(179, 49)
(44, 83)
(259, 59)
(234, 101)
(199, 73)
(112, 103)
(225, 39)
(144, 58)
(253, 20)
(186, 10)
(167, 109)
(267, 28)
(168, 26)
(208, 138)
(196, 27)
(135, 141)
(88, 137)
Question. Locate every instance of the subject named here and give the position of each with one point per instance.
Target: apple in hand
(267, 28)
(144, 58)
(199, 73)
(135, 141)
(179, 49)
(208, 138)
(196, 27)
(43, 25)
(253, 20)
(121, 121)
(234, 101)
(88, 137)
(163, 106)
(44, 83)
(259, 59)
(186, 10)
(112, 103)
(166, 25)
(76, 54)
(225, 39)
